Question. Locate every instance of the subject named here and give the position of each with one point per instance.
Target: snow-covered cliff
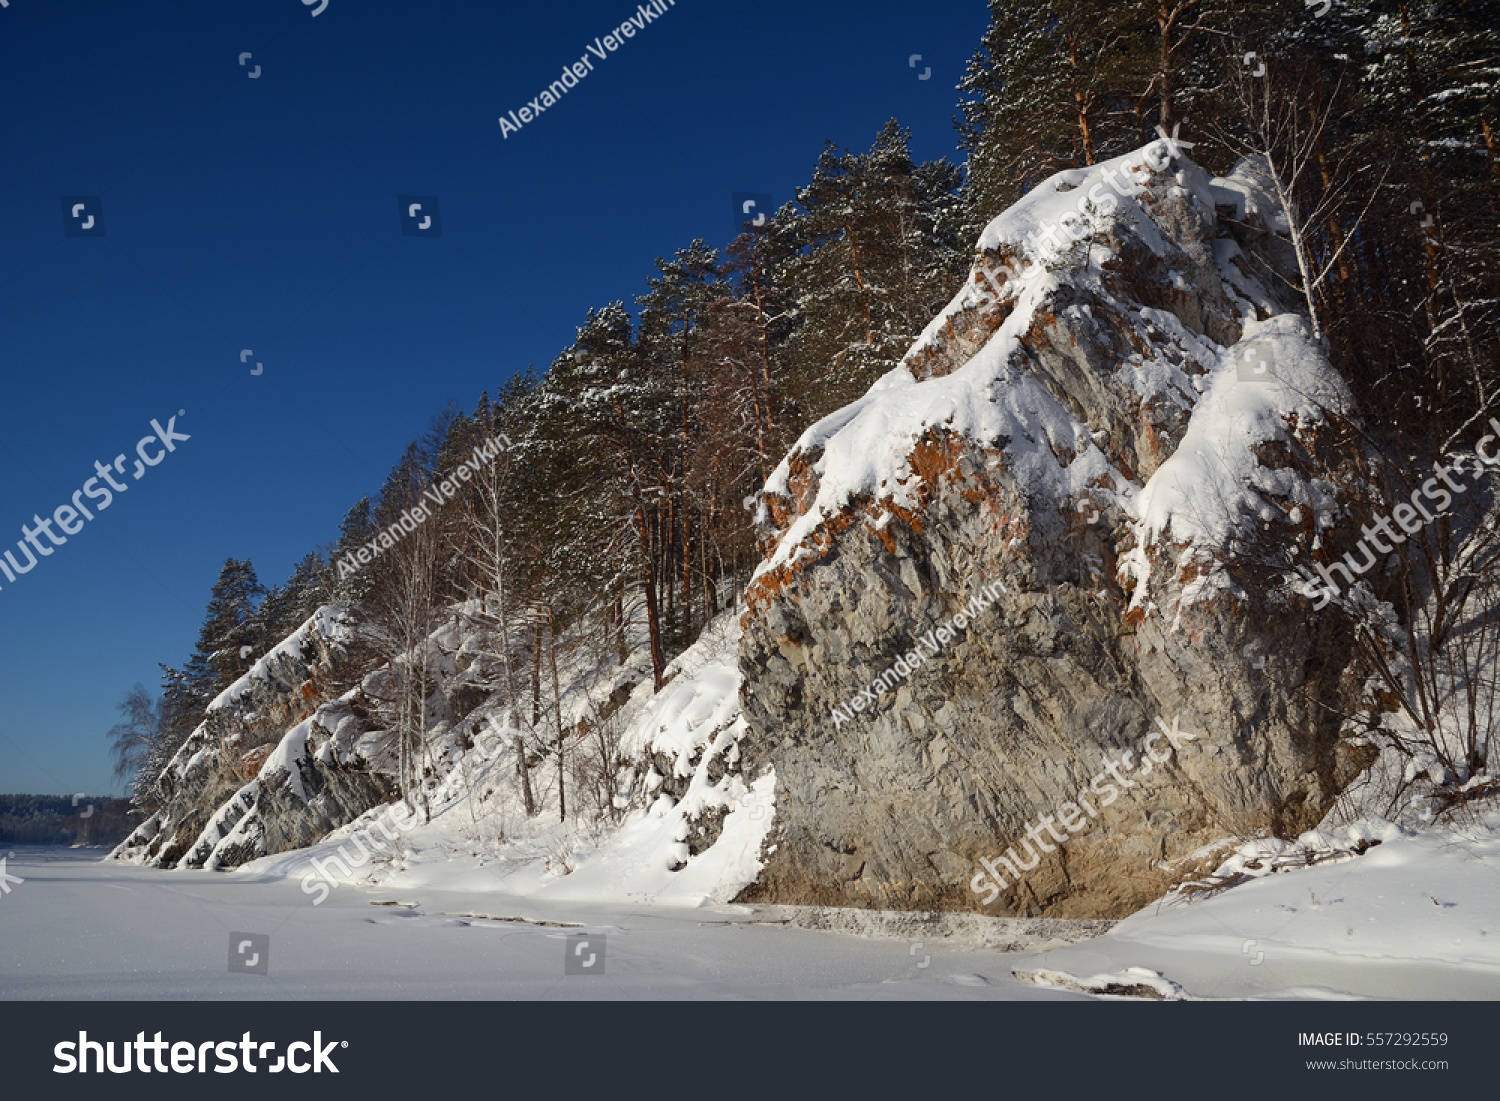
(1058, 528)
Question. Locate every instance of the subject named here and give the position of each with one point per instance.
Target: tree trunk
(710, 597)
(1489, 150)
(765, 356)
(524, 770)
(864, 297)
(1165, 17)
(687, 575)
(622, 647)
(666, 572)
(562, 794)
(536, 674)
(648, 584)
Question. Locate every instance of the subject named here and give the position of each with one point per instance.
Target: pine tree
(226, 644)
(732, 453)
(227, 638)
(765, 313)
(186, 694)
(615, 489)
(352, 584)
(286, 607)
(1058, 85)
(1431, 84)
(403, 487)
(673, 316)
(1184, 78)
(869, 265)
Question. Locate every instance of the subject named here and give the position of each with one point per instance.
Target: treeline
(622, 496)
(57, 820)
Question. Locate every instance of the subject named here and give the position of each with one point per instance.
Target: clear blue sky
(261, 213)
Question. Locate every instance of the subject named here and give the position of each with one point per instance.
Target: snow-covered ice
(76, 930)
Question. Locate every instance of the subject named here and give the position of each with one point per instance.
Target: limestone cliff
(1121, 442)
(282, 758)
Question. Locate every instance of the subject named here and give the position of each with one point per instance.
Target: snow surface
(1213, 489)
(1417, 916)
(167, 934)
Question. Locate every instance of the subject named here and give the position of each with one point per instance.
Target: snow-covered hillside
(690, 831)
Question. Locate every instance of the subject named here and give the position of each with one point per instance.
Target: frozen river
(77, 929)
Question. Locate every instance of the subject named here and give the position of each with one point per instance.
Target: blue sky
(260, 212)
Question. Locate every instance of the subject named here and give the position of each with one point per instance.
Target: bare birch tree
(1282, 121)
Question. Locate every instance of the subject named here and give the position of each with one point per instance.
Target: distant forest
(54, 820)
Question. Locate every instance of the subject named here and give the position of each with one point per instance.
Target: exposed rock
(314, 773)
(1026, 431)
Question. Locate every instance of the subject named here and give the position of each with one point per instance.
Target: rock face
(1124, 445)
(276, 765)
